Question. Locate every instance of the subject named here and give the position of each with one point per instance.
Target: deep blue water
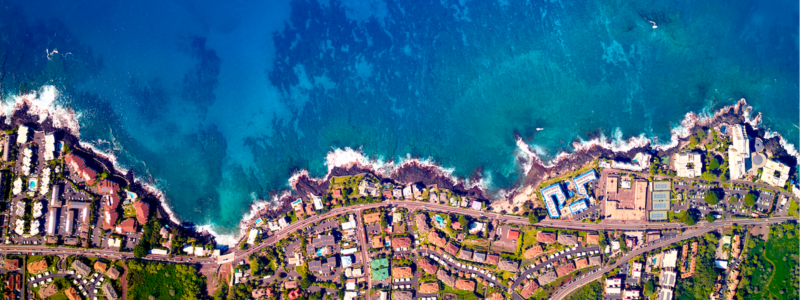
(220, 102)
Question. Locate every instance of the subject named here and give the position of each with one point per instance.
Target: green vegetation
(536, 215)
(650, 287)
(590, 291)
(770, 270)
(713, 196)
(710, 218)
(163, 281)
(701, 284)
(793, 209)
(689, 217)
(750, 199)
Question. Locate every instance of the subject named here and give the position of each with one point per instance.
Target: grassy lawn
(529, 238)
(59, 296)
(128, 211)
(460, 294)
(793, 209)
(768, 271)
(591, 291)
(163, 281)
(480, 244)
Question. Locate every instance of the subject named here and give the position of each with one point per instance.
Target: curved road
(563, 292)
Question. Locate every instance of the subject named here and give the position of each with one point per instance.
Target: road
(564, 291)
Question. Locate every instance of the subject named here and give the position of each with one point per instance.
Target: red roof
(109, 218)
(142, 211)
(78, 165)
(127, 226)
(513, 235)
(294, 294)
(337, 193)
(108, 187)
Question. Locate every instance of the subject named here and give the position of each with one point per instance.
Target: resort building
(639, 163)
(78, 165)
(738, 152)
(688, 164)
(775, 173)
(554, 198)
(581, 181)
(578, 206)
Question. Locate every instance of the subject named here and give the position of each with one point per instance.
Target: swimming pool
(32, 184)
(320, 252)
(439, 220)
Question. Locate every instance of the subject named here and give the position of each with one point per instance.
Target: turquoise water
(219, 103)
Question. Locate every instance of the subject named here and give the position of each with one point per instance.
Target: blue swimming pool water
(219, 102)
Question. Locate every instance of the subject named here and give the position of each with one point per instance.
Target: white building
(775, 173)
(688, 164)
(738, 152)
(351, 224)
(159, 252)
(317, 202)
(22, 134)
(639, 163)
(251, 237)
(49, 147)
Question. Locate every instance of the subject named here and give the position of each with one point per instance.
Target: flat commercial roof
(582, 180)
(548, 193)
(578, 206)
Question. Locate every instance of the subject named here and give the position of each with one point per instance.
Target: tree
(708, 176)
(710, 218)
(533, 218)
(463, 221)
(713, 165)
(693, 141)
(139, 251)
(713, 195)
(750, 199)
(650, 287)
(536, 215)
(689, 217)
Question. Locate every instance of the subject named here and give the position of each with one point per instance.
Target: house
(422, 223)
(466, 285)
(372, 218)
(81, 268)
(592, 239)
(109, 218)
(12, 264)
(317, 202)
(436, 239)
(636, 270)
(528, 290)
(126, 227)
(444, 277)
(401, 242)
(294, 294)
(109, 291)
(100, 266)
(595, 260)
(567, 239)
(512, 235)
(402, 295)
(479, 257)
(113, 273)
(72, 294)
(397, 193)
(508, 265)
(546, 278)
(581, 263)
(546, 237)
(565, 269)
(688, 164)
(427, 266)
(37, 266)
(429, 288)
(291, 284)
(613, 286)
(492, 259)
(533, 252)
(465, 254)
(377, 242)
(402, 272)
(142, 211)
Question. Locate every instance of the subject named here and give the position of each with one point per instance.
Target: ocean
(219, 103)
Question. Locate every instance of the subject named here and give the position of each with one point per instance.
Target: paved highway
(564, 291)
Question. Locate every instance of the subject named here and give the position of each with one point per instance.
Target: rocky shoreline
(22, 116)
(418, 173)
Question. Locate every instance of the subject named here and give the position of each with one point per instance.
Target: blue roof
(581, 180)
(578, 206)
(551, 206)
